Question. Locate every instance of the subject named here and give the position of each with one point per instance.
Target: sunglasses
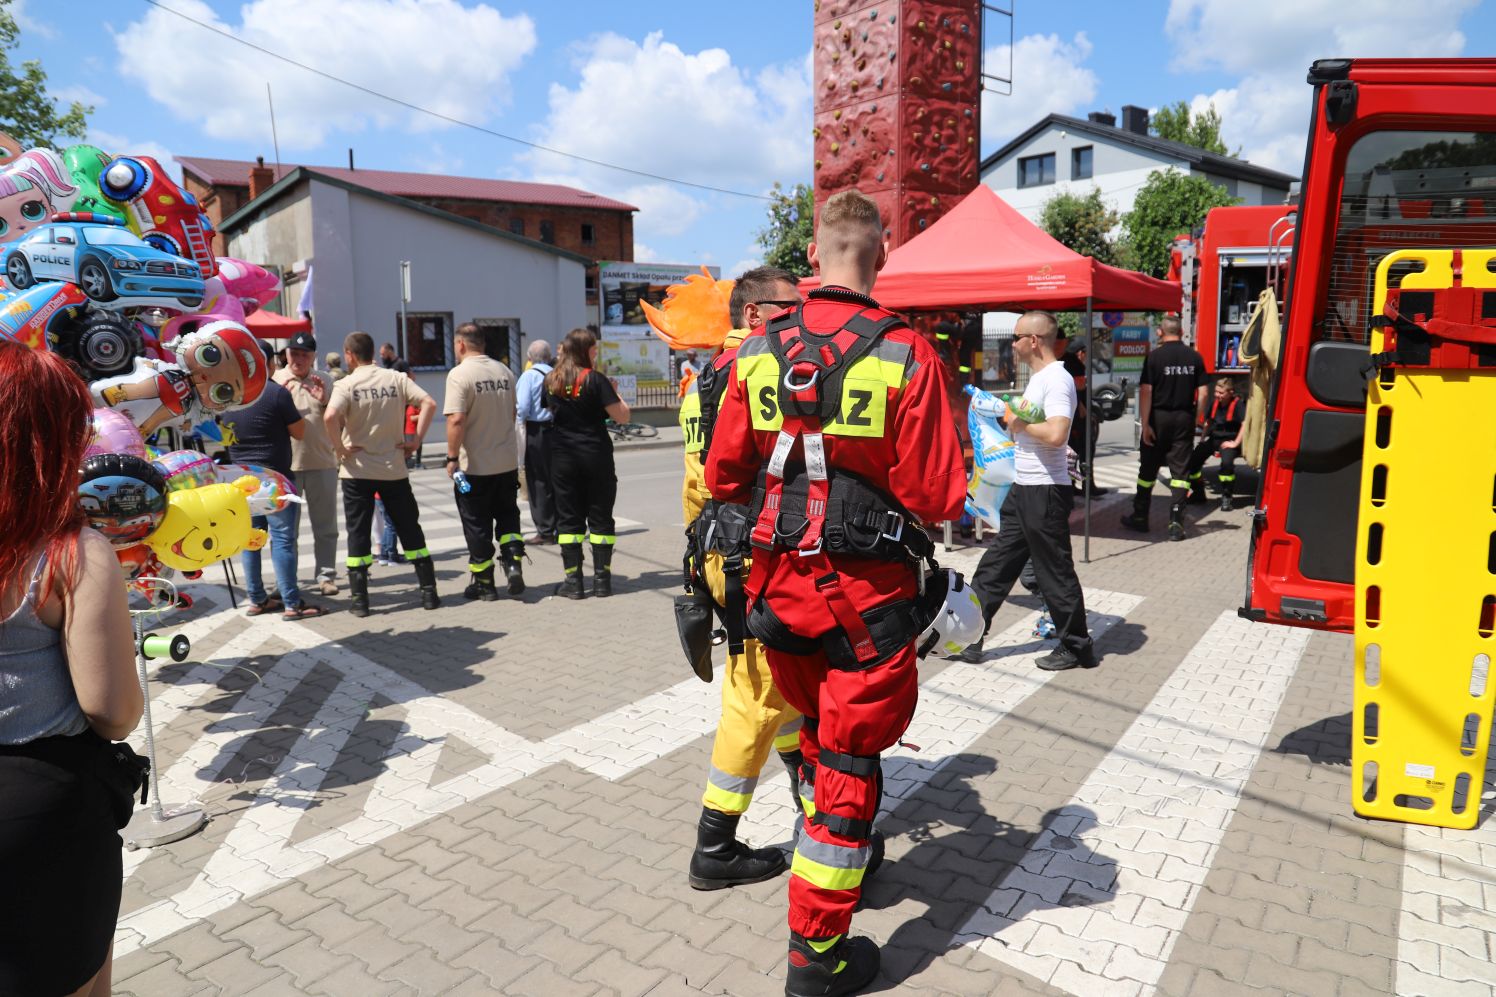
(790, 303)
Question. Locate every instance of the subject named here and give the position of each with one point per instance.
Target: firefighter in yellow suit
(756, 721)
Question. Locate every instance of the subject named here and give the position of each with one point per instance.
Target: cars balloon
(205, 525)
(123, 496)
(187, 469)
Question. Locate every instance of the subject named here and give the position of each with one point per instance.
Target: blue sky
(715, 93)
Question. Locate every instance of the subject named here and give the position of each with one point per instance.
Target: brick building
(577, 221)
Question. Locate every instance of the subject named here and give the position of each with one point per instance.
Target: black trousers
(1173, 442)
(399, 505)
(1229, 455)
(1036, 528)
(489, 512)
(586, 487)
(538, 477)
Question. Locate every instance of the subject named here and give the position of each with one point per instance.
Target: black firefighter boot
(482, 586)
(721, 860)
(1176, 521)
(426, 576)
(358, 587)
(830, 967)
(1137, 520)
(512, 556)
(602, 570)
(571, 563)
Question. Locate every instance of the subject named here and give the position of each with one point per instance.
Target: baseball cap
(303, 341)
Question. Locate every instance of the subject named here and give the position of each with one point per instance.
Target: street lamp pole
(404, 300)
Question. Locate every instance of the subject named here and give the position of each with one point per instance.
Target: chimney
(1135, 119)
(1103, 118)
(261, 177)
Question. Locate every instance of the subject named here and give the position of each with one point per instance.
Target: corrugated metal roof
(224, 172)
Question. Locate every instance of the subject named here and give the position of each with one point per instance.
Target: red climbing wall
(897, 105)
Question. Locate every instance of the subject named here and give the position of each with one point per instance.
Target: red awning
(268, 325)
(985, 256)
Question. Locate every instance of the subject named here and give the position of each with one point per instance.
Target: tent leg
(1088, 445)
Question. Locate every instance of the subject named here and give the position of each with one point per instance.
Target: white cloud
(83, 95)
(1273, 42)
(26, 22)
(742, 266)
(1048, 78)
(646, 254)
(400, 47)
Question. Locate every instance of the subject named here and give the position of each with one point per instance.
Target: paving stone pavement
(501, 797)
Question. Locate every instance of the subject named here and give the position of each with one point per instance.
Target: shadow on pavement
(962, 855)
(1324, 742)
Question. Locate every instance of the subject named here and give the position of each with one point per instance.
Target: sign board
(621, 288)
(1112, 319)
(1129, 348)
(627, 386)
(647, 360)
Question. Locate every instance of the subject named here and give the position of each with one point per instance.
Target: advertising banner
(621, 288)
(1129, 348)
(646, 360)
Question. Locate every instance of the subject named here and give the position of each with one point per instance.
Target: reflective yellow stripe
(1178, 483)
(825, 876)
(416, 555)
(361, 562)
(481, 566)
(787, 742)
(729, 803)
(510, 538)
(824, 945)
(570, 538)
(606, 539)
(809, 803)
(1145, 485)
(1227, 477)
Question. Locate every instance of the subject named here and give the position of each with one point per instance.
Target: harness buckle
(812, 551)
(791, 386)
(894, 528)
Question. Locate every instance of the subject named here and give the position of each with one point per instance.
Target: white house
(354, 238)
(1061, 154)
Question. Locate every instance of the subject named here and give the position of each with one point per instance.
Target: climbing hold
(836, 26)
(946, 87)
(924, 167)
(920, 26)
(836, 114)
(880, 177)
(853, 86)
(835, 146)
(960, 64)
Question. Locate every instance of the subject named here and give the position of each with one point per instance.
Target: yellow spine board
(1425, 588)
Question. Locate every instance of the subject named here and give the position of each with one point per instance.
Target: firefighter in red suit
(835, 430)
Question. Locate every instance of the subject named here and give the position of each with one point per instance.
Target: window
(428, 339)
(548, 231)
(1035, 171)
(1080, 163)
(589, 234)
(517, 226)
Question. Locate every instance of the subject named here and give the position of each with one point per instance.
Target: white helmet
(957, 618)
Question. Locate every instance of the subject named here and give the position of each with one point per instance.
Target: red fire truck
(1401, 155)
(1241, 251)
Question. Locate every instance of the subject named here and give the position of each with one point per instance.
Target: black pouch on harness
(693, 620)
(891, 627)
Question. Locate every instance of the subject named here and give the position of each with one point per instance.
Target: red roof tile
(226, 172)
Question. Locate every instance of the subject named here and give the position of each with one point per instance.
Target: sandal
(270, 605)
(305, 611)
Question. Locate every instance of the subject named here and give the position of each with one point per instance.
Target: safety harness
(809, 507)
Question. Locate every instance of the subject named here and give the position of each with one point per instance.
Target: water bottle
(460, 480)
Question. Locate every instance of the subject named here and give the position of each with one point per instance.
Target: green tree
(1176, 123)
(1169, 203)
(27, 114)
(790, 230)
(1082, 222)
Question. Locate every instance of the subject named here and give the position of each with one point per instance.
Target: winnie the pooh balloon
(205, 525)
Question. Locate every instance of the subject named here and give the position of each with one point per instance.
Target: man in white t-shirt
(1036, 516)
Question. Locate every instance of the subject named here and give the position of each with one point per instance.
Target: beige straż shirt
(372, 401)
(314, 451)
(482, 389)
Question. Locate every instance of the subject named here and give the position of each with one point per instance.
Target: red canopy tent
(268, 325)
(985, 256)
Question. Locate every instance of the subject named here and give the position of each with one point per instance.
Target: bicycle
(625, 431)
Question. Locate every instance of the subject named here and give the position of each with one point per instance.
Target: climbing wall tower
(898, 105)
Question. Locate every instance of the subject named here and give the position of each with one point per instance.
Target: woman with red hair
(67, 683)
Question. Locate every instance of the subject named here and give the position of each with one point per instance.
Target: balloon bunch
(109, 263)
(174, 510)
